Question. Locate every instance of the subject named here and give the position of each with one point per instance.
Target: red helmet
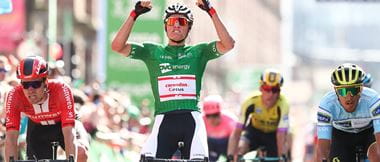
(32, 67)
(212, 104)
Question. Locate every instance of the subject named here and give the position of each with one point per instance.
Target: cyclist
(219, 126)
(348, 117)
(263, 119)
(176, 72)
(367, 81)
(50, 108)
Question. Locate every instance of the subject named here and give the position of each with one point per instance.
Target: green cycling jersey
(175, 73)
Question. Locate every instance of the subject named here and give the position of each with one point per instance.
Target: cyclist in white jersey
(348, 117)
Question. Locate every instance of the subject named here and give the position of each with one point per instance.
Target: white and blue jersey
(332, 114)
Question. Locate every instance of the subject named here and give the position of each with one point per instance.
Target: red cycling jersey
(59, 107)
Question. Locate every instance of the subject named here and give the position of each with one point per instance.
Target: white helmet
(179, 9)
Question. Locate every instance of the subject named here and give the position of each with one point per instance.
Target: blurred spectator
(219, 126)
(3, 85)
(367, 81)
(56, 71)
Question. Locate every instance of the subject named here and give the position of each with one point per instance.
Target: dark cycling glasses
(271, 89)
(212, 115)
(172, 20)
(3, 70)
(33, 84)
(344, 91)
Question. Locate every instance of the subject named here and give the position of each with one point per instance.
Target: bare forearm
(69, 139)
(377, 136)
(323, 149)
(11, 146)
(233, 143)
(70, 148)
(119, 42)
(225, 38)
(281, 141)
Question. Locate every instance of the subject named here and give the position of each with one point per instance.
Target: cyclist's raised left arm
(226, 42)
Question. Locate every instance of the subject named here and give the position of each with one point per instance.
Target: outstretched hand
(206, 6)
(141, 7)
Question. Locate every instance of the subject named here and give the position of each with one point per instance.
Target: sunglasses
(271, 89)
(33, 84)
(344, 91)
(213, 115)
(3, 70)
(172, 20)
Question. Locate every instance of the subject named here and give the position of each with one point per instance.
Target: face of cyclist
(349, 97)
(34, 90)
(213, 119)
(269, 95)
(177, 29)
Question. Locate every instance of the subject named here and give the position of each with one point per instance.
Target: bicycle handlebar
(71, 159)
(172, 160)
(265, 159)
(152, 159)
(43, 160)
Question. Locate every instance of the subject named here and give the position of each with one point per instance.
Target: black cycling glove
(207, 7)
(139, 10)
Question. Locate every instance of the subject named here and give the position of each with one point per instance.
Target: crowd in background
(116, 127)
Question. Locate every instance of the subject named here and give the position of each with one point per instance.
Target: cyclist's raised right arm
(119, 43)
(11, 137)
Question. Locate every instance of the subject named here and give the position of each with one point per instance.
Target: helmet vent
(28, 67)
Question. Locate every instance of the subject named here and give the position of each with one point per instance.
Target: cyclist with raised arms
(49, 106)
(348, 117)
(263, 119)
(176, 72)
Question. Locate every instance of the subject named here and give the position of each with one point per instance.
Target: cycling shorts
(173, 127)
(257, 138)
(344, 144)
(39, 139)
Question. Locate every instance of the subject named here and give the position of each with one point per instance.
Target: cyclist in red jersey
(49, 106)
